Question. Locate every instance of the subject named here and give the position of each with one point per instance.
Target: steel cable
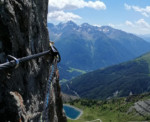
(15, 62)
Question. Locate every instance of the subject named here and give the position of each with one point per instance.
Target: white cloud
(129, 23)
(97, 25)
(61, 16)
(144, 11)
(74, 4)
(128, 7)
(145, 14)
(140, 26)
(96, 5)
(111, 25)
(137, 27)
(115, 25)
(57, 9)
(143, 24)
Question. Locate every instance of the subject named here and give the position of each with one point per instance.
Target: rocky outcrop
(68, 98)
(141, 107)
(23, 31)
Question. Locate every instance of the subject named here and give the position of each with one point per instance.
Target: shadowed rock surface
(23, 31)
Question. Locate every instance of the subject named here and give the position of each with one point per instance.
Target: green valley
(68, 73)
(131, 77)
(113, 110)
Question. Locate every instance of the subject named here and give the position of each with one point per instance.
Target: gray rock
(23, 31)
(141, 107)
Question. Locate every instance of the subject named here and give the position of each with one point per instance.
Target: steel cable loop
(16, 60)
(14, 63)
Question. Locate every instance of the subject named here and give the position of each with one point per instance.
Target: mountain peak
(106, 29)
(106, 26)
(71, 23)
(86, 25)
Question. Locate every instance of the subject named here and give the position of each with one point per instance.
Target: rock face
(23, 31)
(141, 107)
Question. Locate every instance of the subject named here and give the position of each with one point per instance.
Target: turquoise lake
(71, 112)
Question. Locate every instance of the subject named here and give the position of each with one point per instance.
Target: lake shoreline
(81, 111)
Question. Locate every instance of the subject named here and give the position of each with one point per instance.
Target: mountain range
(145, 37)
(132, 77)
(90, 47)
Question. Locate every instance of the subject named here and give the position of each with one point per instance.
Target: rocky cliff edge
(23, 31)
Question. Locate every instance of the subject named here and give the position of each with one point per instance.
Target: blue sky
(129, 15)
